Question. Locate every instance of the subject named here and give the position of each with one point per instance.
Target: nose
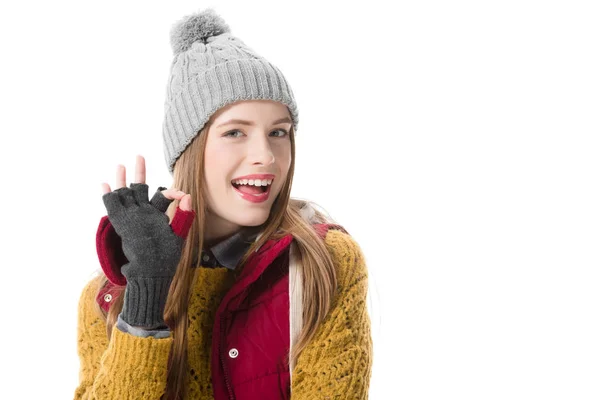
(261, 151)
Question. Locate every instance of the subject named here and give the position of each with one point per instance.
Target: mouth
(251, 193)
(251, 189)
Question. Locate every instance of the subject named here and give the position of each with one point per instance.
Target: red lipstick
(254, 198)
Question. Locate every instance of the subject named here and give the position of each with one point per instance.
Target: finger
(120, 176)
(160, 201)
(140, 192)
(172, 194)
(140, 169)
(105, 188)
(186, 203)
(182, 222)
(127, 197)
(112, 202)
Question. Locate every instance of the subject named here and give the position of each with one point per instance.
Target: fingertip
(185, 203)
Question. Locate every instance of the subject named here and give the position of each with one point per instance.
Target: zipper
(231, 397)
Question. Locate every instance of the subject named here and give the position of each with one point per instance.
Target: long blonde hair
(318, 271)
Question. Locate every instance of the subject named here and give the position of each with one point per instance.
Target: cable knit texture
(336, 364)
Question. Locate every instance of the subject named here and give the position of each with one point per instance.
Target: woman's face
(236, 149)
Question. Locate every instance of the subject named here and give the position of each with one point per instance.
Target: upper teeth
(253, 182)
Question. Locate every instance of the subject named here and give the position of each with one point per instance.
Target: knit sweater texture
(336, 363)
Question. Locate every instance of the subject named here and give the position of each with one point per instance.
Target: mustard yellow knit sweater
(335, 365)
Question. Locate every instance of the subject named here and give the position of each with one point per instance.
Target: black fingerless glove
(152, 246)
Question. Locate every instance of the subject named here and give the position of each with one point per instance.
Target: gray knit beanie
(211, 68)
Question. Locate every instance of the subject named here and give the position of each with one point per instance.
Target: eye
(283, 131)
(228, 134)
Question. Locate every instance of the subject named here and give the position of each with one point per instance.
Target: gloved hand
(151, 246)
(109, 247)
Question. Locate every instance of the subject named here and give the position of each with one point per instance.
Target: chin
(255, 220)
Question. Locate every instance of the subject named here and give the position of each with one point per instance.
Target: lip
(259, 198)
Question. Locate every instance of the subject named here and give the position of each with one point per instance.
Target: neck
(208, 243)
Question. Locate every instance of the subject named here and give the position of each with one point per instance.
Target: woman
(274, 305)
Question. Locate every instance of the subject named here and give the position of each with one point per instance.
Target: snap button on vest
(233, 353)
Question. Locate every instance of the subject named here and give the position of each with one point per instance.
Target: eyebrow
(250, 123)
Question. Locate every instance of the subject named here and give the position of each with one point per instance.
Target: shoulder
(347, 256)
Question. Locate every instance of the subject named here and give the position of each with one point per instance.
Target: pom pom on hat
(195, 27)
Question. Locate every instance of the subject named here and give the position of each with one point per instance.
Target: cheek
(283, 153)
(215, 168)
(284, 163)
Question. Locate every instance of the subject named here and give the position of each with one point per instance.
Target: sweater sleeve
(141, 332)
(126, 367)
(337, 362)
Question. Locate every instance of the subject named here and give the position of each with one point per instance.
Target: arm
(337, 362)
(122, 368)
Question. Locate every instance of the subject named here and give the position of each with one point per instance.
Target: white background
(458, 142)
